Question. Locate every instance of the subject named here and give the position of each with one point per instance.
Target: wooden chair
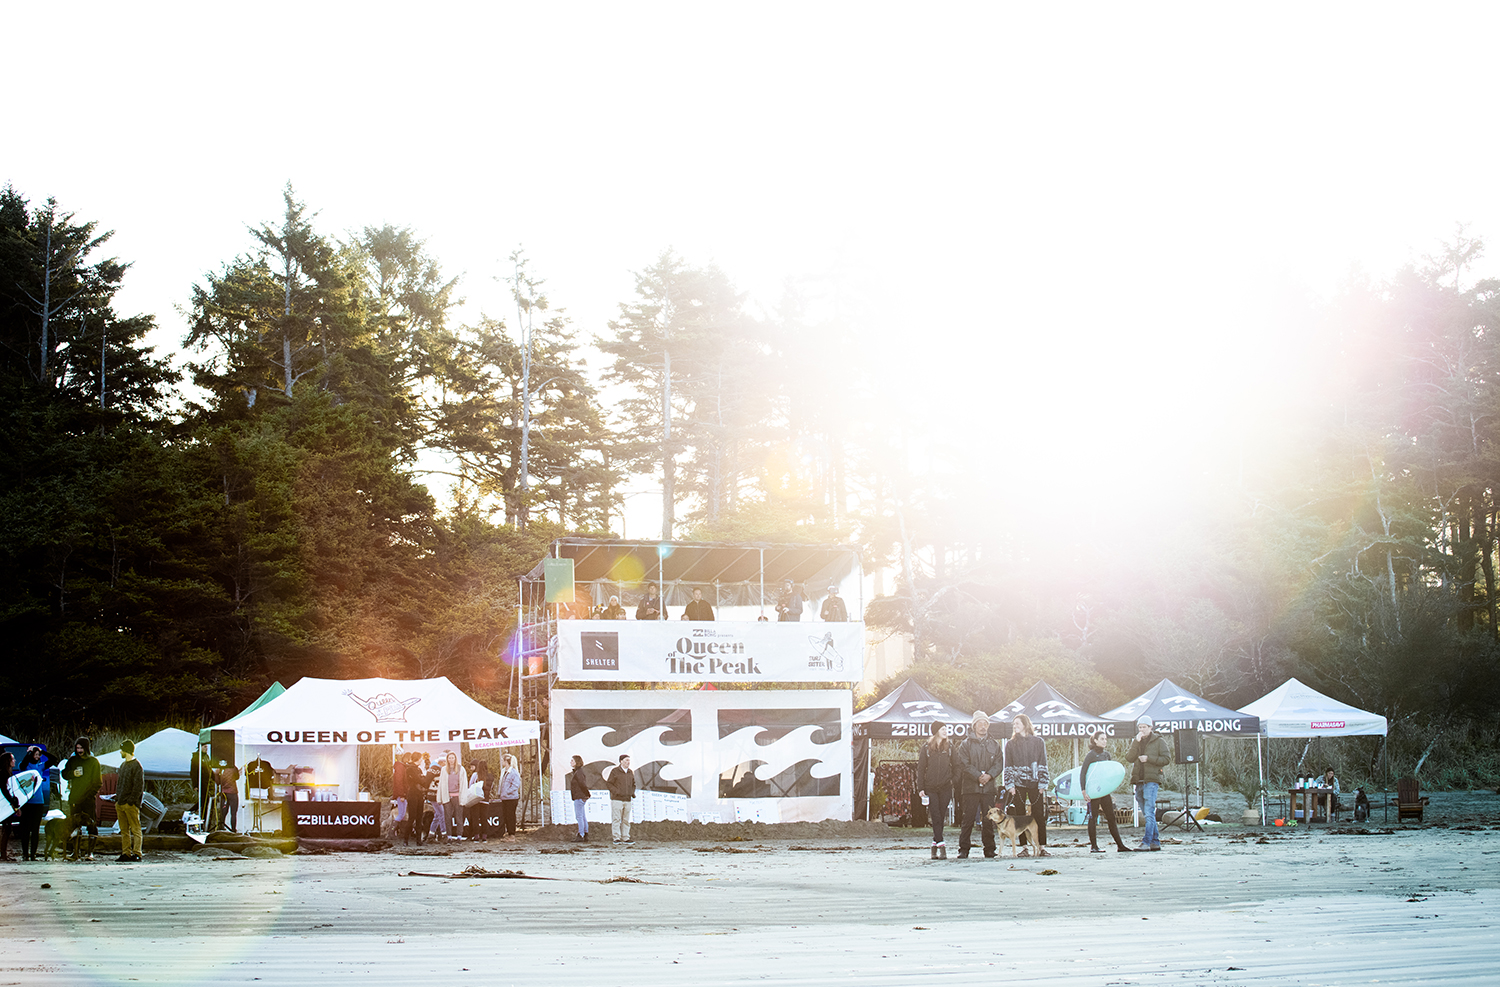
(1409, 799)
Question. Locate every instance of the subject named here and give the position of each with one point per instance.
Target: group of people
(433, 801)
(789, 606)
(977, 773)
(84, 777)
(622, 789)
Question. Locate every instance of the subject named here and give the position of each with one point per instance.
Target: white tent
(1297, 710)
(320, 724)
(5, 740)
(1294, 709)
(377, 711)
(165, 755)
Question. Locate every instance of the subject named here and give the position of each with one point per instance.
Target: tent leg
(1260, 770)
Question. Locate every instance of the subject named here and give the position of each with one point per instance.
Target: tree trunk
(668, 459)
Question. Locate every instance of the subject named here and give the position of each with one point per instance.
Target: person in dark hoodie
(1026, 777)
(81, 772)
(129, 790)
(935, 781)
(1104, 805)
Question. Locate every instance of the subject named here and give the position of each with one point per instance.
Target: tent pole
(1261, 773)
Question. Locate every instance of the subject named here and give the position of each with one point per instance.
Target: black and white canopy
(909, 711)
(1054, 715)
(1174, 708)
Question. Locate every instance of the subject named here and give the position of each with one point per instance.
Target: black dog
(1361, 805)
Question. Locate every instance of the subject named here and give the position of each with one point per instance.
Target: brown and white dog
(1010, 828)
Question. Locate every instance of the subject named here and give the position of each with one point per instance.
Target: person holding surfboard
(1026, 776)
(7, 768)
(1105, 804)
(979, 763)
(36, 806)
(1148, 756)
(935, 782)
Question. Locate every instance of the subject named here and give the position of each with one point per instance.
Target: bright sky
(1071, 227)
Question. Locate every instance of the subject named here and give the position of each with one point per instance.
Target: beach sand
(1376, 903)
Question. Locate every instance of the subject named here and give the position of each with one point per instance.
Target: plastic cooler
(1078, 813)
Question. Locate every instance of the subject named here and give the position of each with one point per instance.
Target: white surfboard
(23, 785)
(1104, 778)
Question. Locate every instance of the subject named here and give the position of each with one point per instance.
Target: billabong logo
(385, 707)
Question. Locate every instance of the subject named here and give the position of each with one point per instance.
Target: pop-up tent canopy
(1054, 715)
(906, 711)
(165, 755)
(1174, 708)
(1297, 710)
(275, 689)
(5, 740)
(318, 725)
(1294, 709)
(378, 711)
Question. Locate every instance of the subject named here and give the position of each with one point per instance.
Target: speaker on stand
(1186, 749)
(220, 755)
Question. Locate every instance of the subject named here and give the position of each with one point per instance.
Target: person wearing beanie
(978, 762)
(1148, 756)
(128, 792)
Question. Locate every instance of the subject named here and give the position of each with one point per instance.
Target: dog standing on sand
(1011, 827)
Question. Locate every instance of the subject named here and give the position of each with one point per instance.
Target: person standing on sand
(1105, 804)
(228, 778)
(510, 795)
(452, 780)
(935, 780)
(1148, 756)
(7, 764)
(129, 790)
(978, 763)
(621, 794)
(578, 789)
(1026, 777)
(82, 773)
(36, 807)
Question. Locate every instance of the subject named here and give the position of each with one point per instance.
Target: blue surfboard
(1104, 778)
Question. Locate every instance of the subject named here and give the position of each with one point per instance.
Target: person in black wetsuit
(1104, 805)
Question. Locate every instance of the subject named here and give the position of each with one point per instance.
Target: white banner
(766, 754)
(709, 651)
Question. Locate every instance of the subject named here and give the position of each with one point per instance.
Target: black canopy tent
(1055, 715)
(743, 573)
(1174, 708)
(906, 711)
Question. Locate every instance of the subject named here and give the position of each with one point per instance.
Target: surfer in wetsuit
(1104, 805)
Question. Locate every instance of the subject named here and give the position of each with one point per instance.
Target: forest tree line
(169, 550)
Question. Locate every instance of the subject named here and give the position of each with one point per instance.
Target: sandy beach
(1376, 903)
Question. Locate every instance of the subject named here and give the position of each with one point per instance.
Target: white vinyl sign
(709, 651)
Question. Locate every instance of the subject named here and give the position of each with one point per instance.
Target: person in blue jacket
(36, 806)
